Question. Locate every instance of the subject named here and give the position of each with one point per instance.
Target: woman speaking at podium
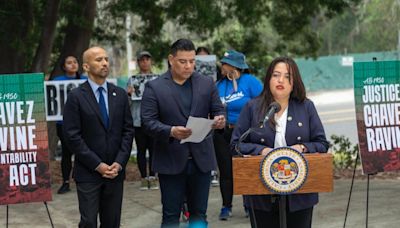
(296, 125)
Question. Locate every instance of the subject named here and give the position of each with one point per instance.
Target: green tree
(379, 26)
(344, 153)
(28, 30)
(203, 19)
(76, 33)
(370, 26)
(35, 34)
(16, 26)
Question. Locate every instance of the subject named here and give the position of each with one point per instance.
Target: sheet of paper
(200, 128)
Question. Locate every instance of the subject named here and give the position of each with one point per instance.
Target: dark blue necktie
(102, 105)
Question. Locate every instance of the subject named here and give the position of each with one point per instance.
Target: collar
(95, 86)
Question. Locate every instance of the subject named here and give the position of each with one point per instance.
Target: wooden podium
(246, 175)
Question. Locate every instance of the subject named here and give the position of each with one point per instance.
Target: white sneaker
(214, 183)
(214, 180)
(144, 184)
(153, 183)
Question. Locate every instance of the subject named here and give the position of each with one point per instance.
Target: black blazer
(87, 136)
(162, 108)
(303, 127)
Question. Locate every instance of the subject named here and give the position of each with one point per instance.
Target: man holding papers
(184, 168)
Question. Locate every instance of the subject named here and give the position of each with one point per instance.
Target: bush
(344, 153)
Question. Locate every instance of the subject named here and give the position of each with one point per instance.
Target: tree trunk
(43, 52)
(77, 40)
(78, 33)
(16, 18)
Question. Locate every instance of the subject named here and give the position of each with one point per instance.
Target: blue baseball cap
(235, 59)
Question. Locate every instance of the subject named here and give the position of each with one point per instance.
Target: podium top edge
(256, 157)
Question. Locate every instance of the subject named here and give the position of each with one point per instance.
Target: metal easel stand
(48, 214)
(367, 209)
(351, 190)
(374, 59)
(7, 216)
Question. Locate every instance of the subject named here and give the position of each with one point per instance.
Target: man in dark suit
(98, 128)
(167, 103)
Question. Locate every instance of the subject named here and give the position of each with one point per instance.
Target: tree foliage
(77, 32)
(24, 25)
(16, 26)
(237, 24)
(33, 37)
(28, 30)
(370, 26)
(344, 153)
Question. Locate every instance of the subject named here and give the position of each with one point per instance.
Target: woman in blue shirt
(235, 89)
(70, 67)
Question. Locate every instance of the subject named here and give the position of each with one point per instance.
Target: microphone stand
(242, 137)
(237, 149)
(282, 211)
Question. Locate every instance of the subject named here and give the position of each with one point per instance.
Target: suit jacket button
(300, 124)
(289, 118)
(298, 138)
(262, 140)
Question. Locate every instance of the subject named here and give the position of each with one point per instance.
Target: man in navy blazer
(167, 103)
(99, 130)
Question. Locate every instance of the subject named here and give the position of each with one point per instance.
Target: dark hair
(62, 63)
(298, 92)
(181, 45)
(202, 49)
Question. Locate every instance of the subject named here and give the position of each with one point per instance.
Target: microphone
(273, 108)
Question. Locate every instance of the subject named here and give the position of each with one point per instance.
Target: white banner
(56, 95)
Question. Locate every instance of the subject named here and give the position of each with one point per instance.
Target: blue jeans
(191, 184)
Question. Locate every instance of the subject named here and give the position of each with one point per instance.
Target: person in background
(296, 125)
(143, 141)
(205, 51)
(235, 89)
(214, 173)
(98, 128)
(202, 51)
(70, 66)
(184, 170)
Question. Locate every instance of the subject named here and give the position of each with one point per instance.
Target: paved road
(337, 112)
(142, 209)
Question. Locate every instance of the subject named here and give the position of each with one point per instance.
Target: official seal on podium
(283, 170)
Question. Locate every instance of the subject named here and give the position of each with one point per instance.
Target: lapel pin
(114, 94)
(289, 118)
